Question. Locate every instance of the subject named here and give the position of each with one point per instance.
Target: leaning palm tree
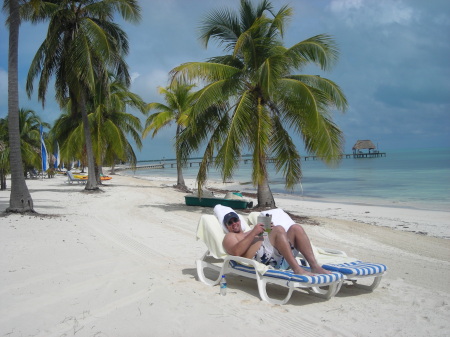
(111, 124)
(82, 45)
(20, 198)
(268, 101)
(179, 100)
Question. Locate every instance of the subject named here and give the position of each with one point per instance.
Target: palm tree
(267, 100)
(179, 100)
(67, 130)
(111, 124)
(82, 46)
(20, 198)
(30, 140)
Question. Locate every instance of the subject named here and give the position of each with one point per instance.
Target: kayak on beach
(78, 176)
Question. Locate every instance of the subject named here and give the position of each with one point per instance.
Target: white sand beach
(122, 263)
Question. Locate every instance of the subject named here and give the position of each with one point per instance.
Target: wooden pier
(353, 155)
(156, 166)
(141, 167)
(173, 164)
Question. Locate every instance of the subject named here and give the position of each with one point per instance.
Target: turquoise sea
(406, 178)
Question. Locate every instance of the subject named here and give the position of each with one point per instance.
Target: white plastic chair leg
(201, 265)
(262, 288)
(371, 287)
(332, 290)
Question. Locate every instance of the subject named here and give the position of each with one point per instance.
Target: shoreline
(247, 187)
(122, 263)
(433, 223)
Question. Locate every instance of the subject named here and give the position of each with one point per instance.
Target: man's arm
(238, 245)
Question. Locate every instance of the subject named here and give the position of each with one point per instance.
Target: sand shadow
(236, 283)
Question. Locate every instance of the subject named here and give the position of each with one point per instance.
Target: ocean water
(408, 178)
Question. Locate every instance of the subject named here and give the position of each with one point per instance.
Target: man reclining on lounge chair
(274, 249)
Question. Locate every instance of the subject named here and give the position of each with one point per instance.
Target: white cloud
(134, 75)
(345, 5)
(370, 13)
(146, 85)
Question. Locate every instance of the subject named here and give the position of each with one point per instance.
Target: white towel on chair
(220, 211)
(279, 218)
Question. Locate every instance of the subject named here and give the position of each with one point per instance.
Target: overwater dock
(172, 163)
(353, 155)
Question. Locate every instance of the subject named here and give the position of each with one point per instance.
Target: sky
(394, 64)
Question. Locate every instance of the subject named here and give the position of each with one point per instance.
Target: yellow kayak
(78, 176)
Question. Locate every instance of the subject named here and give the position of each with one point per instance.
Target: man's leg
(298, 237)
(279, 240)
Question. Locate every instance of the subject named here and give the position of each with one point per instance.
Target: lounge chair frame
(326, 290)
(323, 286)
(71, 178)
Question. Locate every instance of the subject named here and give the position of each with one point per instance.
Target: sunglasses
(232, 221)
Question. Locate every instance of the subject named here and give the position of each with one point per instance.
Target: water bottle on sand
(223, 286)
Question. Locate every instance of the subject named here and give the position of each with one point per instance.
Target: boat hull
(211, 202)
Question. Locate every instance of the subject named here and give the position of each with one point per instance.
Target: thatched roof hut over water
(362, 145)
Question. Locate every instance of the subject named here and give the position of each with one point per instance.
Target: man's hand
(258, 229)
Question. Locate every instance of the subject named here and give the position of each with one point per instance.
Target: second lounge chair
(354, 270)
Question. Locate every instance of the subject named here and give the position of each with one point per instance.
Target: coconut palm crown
(267, 100)
(179, 101)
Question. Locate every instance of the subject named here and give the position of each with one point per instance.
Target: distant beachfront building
(363, 145)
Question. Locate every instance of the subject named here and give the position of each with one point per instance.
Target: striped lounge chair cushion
(356, 268)
(288, 275)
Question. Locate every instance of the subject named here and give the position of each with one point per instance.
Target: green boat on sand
(213, 201)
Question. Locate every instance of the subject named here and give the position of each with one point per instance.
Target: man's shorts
(270, 256)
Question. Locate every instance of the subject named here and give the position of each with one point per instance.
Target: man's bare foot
(301, 271)
(320, 270)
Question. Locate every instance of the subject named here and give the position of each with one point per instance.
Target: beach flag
(57, 156)
(43, 151)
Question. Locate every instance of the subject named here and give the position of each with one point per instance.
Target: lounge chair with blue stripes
(210, 231)
(354, 270)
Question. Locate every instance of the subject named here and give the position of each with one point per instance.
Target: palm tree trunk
(20, 198)
(180, 178)
(2, 179)
(98, 173)
(265, 196)
(91, 183)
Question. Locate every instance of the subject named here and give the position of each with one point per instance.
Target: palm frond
(306, 110)
(279, 22)
(203, 71)
(335, 94)
(221, 25)
(288, 158)
(320, 50)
